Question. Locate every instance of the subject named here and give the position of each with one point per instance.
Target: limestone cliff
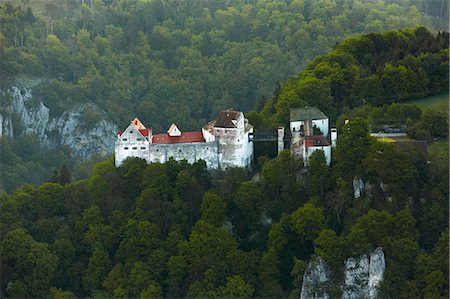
(66, 129)
(358, 187)
(315, 280)
(362, 277)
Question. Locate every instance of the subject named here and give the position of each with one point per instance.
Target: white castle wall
(191, 152)
(235, 150)
(131, 144)
(223, 147)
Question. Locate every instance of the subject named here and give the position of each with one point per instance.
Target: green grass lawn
(394, 139)
(439, 148)
(439, 102)
(386, 139)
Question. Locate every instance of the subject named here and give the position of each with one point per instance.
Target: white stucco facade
(131, 143)
(304, 140)
(333, 137)
(321, 124)
(307, 152)
(235, 146)
(222, 143)
(191, 152)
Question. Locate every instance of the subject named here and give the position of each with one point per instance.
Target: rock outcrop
(362, 277)
(68, 128)
(315, 280)
(358, 187)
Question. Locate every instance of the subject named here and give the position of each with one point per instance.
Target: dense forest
(375, 69)
(177, 230)
(179, 61)
(183, 61)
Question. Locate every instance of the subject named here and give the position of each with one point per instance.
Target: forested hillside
(176, 230)
(176, 61)
(375, 69)
(172, 230)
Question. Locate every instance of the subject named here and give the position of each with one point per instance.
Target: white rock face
(363, 275)
(377, 267)
(315, 280)
(67, 129)
(358, 187)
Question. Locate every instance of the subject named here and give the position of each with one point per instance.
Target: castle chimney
(308, 127)
(280, 139)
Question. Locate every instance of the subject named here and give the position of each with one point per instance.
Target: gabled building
(315, 143)
(310, 132)
(233, 133)
(134, 141)
(222, 143)
(304, 120)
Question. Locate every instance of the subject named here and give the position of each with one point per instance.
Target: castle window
(134, 148)
(125, 148)
(143, 147)
(179, 150)
(131, 131)
(124, 139)
(139, 139)
(157, 150)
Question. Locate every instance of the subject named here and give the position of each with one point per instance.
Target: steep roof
(137, 124)
(316, 140)
(226, 118)
(209, 126)
(144, 132)
(165, 138)
(311, 113)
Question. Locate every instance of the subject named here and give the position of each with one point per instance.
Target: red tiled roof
(144, 132)
(164, 138)
(119, 133)
(317, 140)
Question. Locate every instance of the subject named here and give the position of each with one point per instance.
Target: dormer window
(173, 131)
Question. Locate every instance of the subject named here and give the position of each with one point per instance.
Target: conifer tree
(64, 175)
(54, 178)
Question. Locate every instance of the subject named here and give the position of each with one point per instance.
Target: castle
(222, 143)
